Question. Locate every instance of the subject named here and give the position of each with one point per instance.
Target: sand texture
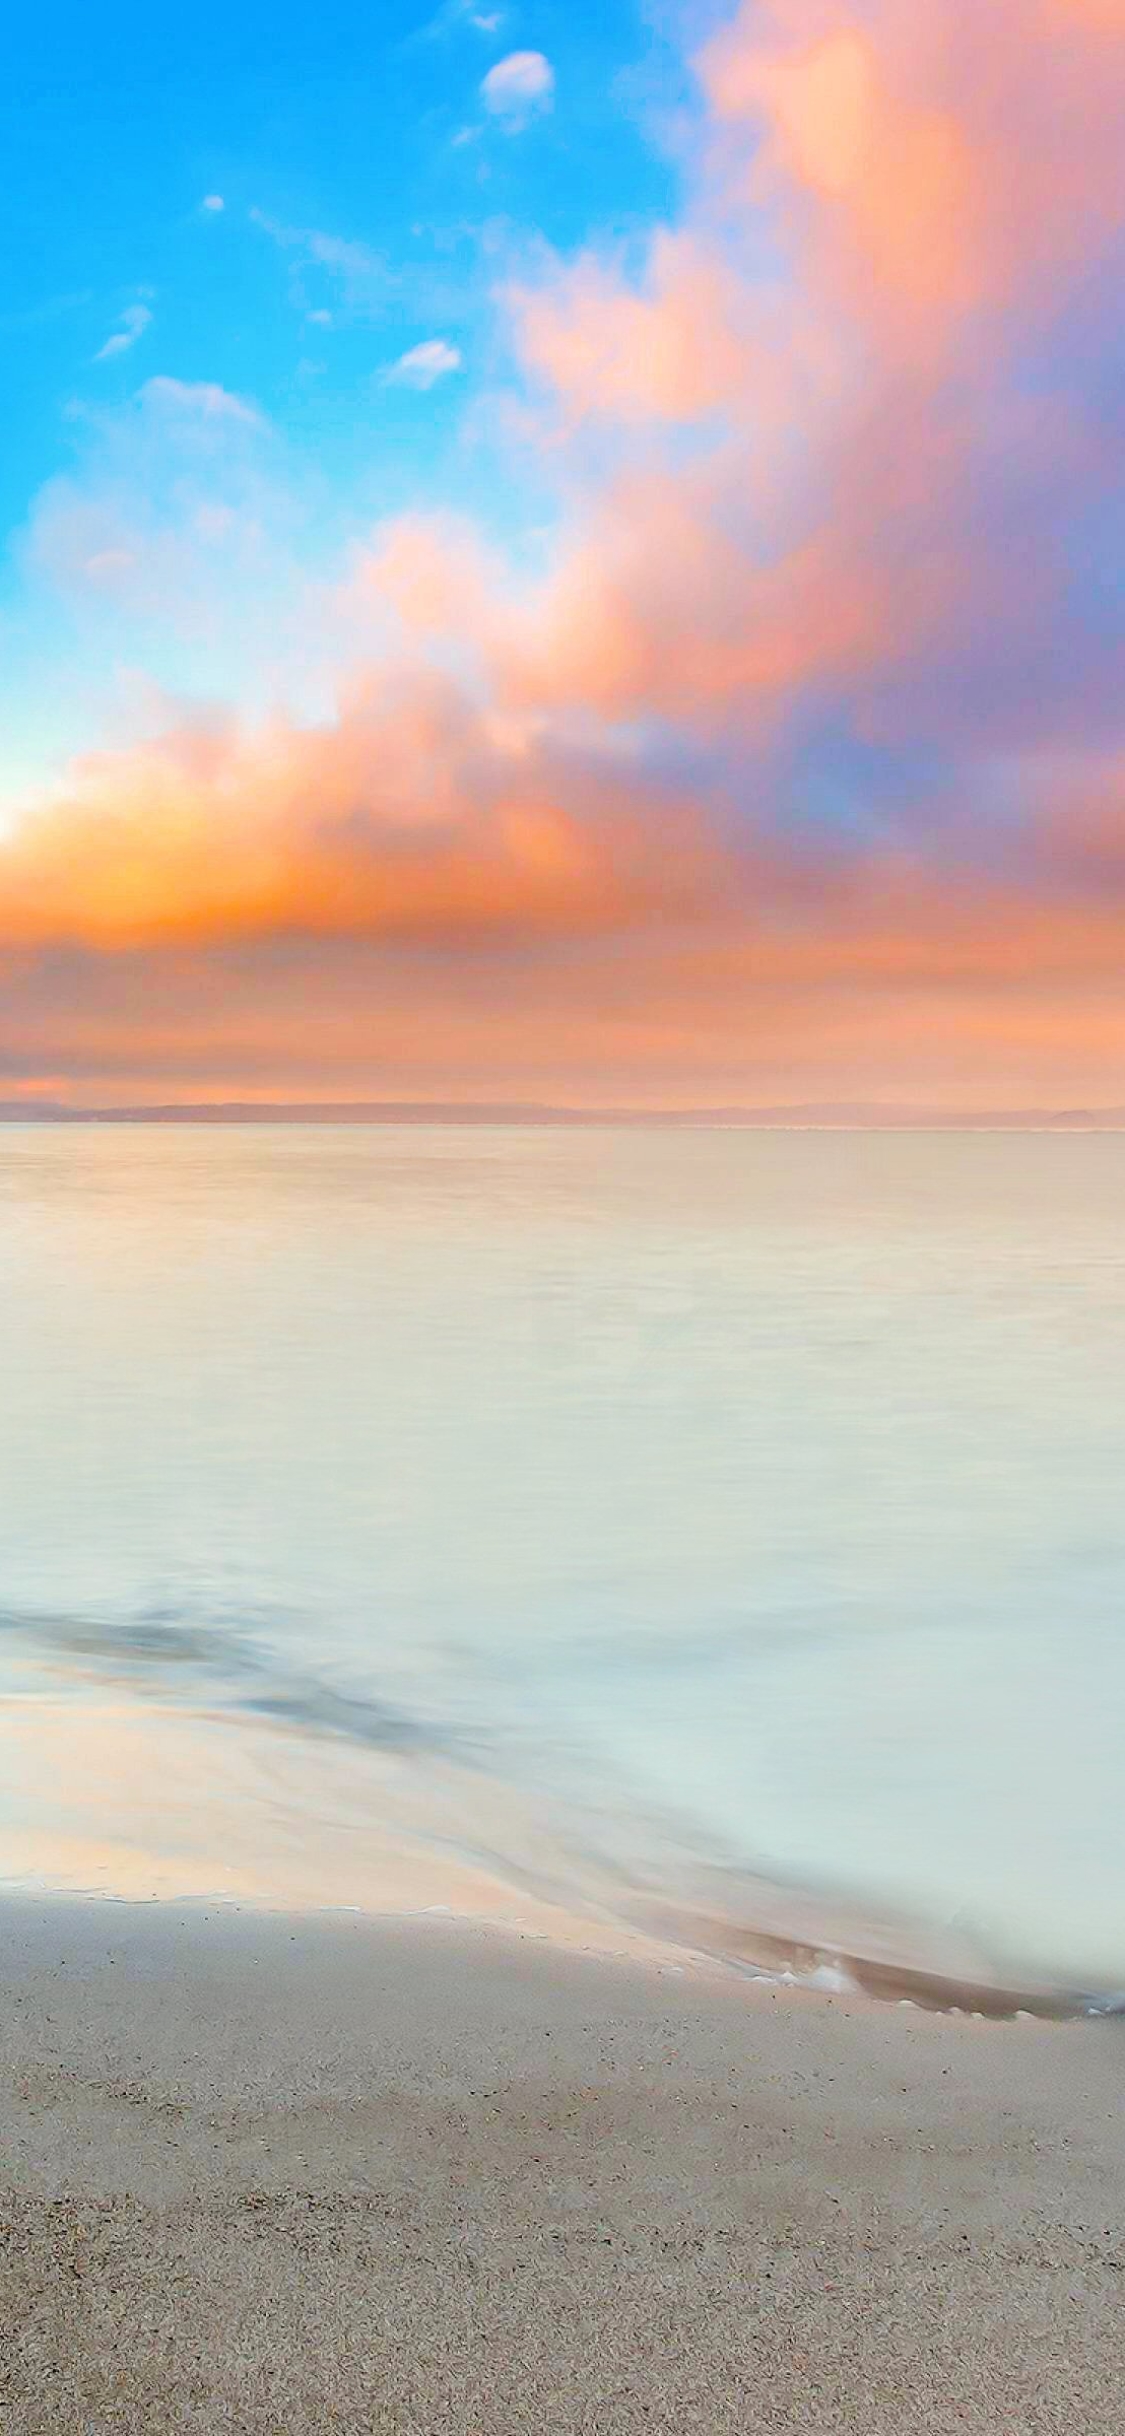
(301, 2178)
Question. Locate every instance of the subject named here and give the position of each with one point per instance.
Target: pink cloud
(672, 353)
(930, 162)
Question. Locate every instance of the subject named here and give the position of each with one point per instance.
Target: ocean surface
(718, 1535)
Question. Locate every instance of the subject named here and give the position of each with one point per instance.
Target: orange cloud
(400, 819)
(900, 989)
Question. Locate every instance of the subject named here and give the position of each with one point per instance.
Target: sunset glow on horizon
(567, 556)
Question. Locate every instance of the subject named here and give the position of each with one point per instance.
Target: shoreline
(783, 1937)
(337, 2173)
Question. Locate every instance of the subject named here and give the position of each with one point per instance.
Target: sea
(707, 1538)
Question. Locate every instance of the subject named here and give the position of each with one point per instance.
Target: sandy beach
(337, 2174)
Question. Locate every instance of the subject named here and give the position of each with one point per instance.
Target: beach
(337, 2173)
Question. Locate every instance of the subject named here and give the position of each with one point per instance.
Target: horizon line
(791, 1116)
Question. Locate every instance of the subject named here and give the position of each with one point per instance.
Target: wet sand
(333, 2175)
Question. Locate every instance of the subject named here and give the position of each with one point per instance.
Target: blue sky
(361, 131)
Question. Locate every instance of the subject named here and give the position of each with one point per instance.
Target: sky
(564, 553)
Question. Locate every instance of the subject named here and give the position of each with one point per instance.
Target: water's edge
(655, 1933)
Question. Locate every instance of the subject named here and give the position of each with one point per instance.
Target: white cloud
(213, 203)
(519, 87)
(204, 401)
(134, 322)
(176, 508)
(421, 366)
(453, 14)
(355, 277)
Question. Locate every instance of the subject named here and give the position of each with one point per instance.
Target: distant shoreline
(799, 1118)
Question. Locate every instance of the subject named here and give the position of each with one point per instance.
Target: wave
(233, 1666)
(231, 1669)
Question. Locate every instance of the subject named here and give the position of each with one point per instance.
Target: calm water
(706, 1531)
